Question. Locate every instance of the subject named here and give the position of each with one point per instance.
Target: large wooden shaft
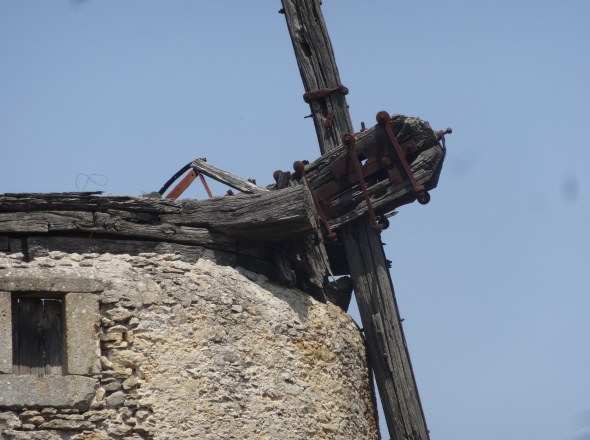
(384, 333)
(372, 285)
(318, 69)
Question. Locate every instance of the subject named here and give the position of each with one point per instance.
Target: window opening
(37, 334)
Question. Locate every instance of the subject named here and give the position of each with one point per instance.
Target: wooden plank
(12, 222)
(52, 323)
(366, 260)
(265, 216)
(302, 262)
(226, 177)
(112, 223)
(27, 333)
(80, 201)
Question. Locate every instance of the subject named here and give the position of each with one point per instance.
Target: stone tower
(153, 346)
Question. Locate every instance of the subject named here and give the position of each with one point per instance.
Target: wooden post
(363, 247)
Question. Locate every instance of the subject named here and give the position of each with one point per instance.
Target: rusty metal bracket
(384, 158)
(380, 162)
(349, 141)
(184, 183)
(329, 119)
(204, 182)
(299, 168)
(422, 195)
(314, 95)
(440, 135)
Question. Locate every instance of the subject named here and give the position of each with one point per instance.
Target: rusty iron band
(349, 141)
(299, 168)
(422, 195)
(314, 95)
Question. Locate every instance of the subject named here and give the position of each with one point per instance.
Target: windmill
(320, 221)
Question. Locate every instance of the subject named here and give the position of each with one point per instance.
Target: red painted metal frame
(185, 183)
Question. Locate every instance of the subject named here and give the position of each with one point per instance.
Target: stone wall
(171, 350)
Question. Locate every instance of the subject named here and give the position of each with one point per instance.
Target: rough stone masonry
(159, 348)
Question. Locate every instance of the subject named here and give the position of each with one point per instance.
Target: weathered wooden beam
(366, 260)
(84, 201)
(384, 196)
(389, 354)
(406, 128)
(302, 261)
(317, 65)
(112, 224)
(268, 215)
(265, 215)
(12, 222)
(226, 177)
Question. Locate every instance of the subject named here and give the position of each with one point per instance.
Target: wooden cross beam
(362, 244)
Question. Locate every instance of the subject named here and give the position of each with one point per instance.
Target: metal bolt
(441, 133)
(299, 167)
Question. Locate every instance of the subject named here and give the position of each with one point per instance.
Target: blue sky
(491, 276)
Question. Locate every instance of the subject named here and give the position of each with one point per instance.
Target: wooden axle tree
(362, 244)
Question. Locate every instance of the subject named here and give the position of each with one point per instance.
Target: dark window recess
(37, 335)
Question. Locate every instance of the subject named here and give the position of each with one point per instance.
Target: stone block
(5, 332)
(9, 420)
(54, 391)
(46, 282)
(116, 399)
(82, 339)
(70, 425)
